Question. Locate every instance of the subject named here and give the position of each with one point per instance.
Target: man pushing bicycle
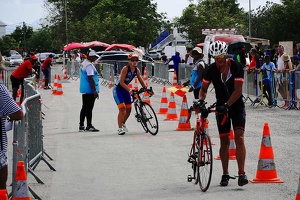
(227, 77)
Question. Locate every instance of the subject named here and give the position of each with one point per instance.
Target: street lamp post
(249, 18)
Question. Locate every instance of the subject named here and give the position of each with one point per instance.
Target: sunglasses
(219, 56)
(134, 60)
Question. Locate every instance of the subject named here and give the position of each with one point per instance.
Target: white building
(2, 29)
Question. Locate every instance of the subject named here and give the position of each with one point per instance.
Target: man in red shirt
(17, 77)
(46, 67)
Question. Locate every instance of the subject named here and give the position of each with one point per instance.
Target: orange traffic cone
(111, 83)
(171, 115)
(18, 97)
(183, 125)
(54, 89)
(298, 192)
(65, 73)
(163, 102)
(266, 171)
(3, 195)
(20, 191)
(135, 85)
(146, 97)
(1, 75)
(174, 83)
(232, 149)
(59, 90)
(207, 132)
(43, 82)
(145, 77)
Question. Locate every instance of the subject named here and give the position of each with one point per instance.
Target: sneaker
(121, 131)
(47, 88)
(91, 128)
(124, 128)
(81, 128)
(242, 180)
(224, 180)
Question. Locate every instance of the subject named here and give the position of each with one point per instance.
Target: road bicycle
(201, 155)
(144, 112)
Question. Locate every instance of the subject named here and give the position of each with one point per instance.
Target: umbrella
(73, 45)
(247, 46)
(200, 44)
(127, 47)
(95, 44)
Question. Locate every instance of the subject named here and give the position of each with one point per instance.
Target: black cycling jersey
(224, 91)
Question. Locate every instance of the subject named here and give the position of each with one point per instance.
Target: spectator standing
(195, 81)
(46, 68)
(17, 77)
(164, 58)
(176, 60)
(227, 77)
(89, 87)
(268, 68)
(9, 110)
(189, 57)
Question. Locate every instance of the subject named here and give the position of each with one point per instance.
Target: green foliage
(211, 14)
(7, 43)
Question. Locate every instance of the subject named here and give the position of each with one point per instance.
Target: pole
(249, 18)
(66, 17)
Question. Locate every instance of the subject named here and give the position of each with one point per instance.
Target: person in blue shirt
(176, 60)
(268, 68)
(195, 80)
(122, 93)
(89, 87)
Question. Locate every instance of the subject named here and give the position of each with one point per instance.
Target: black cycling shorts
(236, 116)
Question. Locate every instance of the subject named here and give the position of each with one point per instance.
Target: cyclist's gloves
(222, 108)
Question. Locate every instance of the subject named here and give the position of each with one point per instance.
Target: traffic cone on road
(146, 97)
(266, 171)
(65, 73)
(145, 77)
(207, 132)
(298, 191)
(3, 195)
(183, 125)
(20, 191)
(135, 85)
(232, 149)
(174, 83)
(43, 82)
(54, 89)
(171, 115)
(59, 90)
(18, 97)
(163, 102)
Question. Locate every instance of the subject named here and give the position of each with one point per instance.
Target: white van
(170, 51)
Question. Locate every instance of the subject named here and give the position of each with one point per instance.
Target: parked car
(104, 53)
(121, 56)
(42, 56)
(14, 58)
(58, 58)
(155, 54)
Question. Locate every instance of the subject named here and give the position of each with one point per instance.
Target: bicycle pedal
(190, 178)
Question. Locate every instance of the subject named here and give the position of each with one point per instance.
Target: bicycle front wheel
(205, 162)
(139, 117)
(149, 118)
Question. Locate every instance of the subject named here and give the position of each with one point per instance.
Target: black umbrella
(246, 45)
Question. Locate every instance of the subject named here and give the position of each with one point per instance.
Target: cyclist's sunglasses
(134, 60)
(219, 56)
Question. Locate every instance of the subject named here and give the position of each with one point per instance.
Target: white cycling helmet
(218, 48)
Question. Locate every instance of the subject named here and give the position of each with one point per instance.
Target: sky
(14, 12)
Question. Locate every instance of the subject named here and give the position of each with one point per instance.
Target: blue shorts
(121, 96)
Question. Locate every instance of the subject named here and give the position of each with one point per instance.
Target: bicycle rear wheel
(149, 118)
(205, 162)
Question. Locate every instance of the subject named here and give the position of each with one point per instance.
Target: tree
(7, 43)
(21, 35)
(211, 14)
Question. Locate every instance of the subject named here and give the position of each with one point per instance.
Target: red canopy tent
(200, 44)
(77, 45)
(74, 45)
(95, 44)
(127, 47)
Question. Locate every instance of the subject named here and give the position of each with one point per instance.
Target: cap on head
(93, 53)
(197, 50)
(133, 55)
(33, 57)
(285, 57)
(218, 48)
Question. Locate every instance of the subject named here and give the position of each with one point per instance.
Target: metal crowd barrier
(28, 135)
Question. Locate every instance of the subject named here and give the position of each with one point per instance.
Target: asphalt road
(104, 165)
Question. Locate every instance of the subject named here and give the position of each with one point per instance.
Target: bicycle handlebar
(199, 106)
(141, 90)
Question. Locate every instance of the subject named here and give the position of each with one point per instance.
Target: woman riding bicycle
(122, 93)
